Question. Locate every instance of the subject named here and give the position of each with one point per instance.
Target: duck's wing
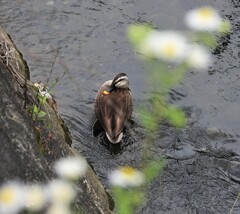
(99, 102)
(123, 110)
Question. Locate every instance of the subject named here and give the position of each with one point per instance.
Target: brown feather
(113, 110)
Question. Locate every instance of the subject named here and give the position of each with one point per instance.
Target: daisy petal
(71, 168)
(12, 198)
(126, 177)
(199, 57)
(166, 45)
(203, 19)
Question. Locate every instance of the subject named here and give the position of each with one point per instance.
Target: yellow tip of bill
(106, 92)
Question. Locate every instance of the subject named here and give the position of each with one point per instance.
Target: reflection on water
(93, 48)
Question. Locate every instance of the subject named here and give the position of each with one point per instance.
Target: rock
(29, 148)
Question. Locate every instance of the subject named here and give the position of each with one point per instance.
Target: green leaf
(225, 27)
(41, 114)
(176, 116)
(147, 119)
(169, 79)
(206, 38)
(165, 77)
(41, 99)
(136, 33)
(35, 109)
(126, 199)
(153, 169)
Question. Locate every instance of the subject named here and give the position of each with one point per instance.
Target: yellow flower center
(7, 195)
(206, 13)
(170, 49)
(128, 171)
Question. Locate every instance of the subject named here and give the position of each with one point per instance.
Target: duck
(114, 106)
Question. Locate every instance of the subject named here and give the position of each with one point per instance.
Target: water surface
(202, 173)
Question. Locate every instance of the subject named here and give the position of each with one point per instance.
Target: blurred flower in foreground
(126, 177)
(166, 45)
(12, 198)
(199, 57)
(203, 19)
(36, 197)
(61, 192)
(71, 168)
(58, 209)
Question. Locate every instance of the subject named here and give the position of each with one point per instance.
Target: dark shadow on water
(96, 128)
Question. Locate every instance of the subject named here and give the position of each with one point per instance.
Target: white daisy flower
(45, 94)
(199, 57)
(40, 86)
(71, 168)
(36, 197)
(166, 45)
(126, 177)
(12, 198)
(203, 19)
(60, 192)
(43, 90)
(58, 209)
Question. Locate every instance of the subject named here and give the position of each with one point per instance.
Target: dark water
(202, 174)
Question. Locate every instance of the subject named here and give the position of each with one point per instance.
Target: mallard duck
(113, 106)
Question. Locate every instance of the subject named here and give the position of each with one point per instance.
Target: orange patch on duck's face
(105, 92)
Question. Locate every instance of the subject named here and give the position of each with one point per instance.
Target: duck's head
(119, 81)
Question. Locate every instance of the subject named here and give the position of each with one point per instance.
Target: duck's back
(113, 110)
